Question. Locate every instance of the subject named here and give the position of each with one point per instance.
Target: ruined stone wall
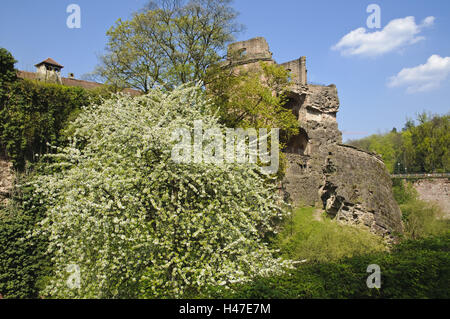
(248, 53)
(353, 186)
(435, 191)
(317, 114)
(298, 70)
(256, 48)
(358, 190)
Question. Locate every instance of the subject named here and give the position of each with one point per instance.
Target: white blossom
(140, 225)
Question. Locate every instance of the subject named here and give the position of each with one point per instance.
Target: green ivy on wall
(33, 115)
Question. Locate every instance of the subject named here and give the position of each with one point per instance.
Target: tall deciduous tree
(422, 148)
(7, 76)
(253, 97)
(170, 42)
(7, 71)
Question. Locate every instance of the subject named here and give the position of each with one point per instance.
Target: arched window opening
(289, 75)
(295, 103)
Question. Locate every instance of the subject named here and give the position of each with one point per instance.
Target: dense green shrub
(415, 269)
(33, 115)
(338, 257)
(139, 224)
(24, 264)
(420, 218)
(404, 192)
(303, 237)
(7, 72)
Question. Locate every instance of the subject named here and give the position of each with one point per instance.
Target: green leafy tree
(7, 76)
(7, 72)
(171, 42)
(432, 140)
(421, 148)
(252, 97)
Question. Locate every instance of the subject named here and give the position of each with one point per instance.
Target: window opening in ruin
(298, 144)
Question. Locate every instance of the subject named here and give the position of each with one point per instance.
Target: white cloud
(424, 77)
(396, 34)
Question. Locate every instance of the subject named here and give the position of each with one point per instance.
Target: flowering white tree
(136, 223)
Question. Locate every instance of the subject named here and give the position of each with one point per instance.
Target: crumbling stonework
(298, 70)
(353, 186)
(358, 190)
(435, 191)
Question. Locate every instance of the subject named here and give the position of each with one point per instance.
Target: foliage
(7, 77)
(304, 238)
(404, 192)
(422, 148)
(23, 262)
(252, 98)
(140, 225)
(423, 219)
(33, 115)
(420, 219)
(170, 43)
(7, 72)
(414, 269)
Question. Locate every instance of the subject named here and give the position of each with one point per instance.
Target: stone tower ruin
(49, 71)
(352, 185)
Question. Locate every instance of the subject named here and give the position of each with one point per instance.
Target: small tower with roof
(49, 71)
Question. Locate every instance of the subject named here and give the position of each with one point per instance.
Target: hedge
(23, 261)
(33, 115)
(414, 269)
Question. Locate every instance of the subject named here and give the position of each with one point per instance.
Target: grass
(338, 255)
(421, 219)
(413, 269)
(303, 237)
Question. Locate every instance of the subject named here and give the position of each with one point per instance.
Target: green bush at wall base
(305, 237)
(415, 269)
(23, 261)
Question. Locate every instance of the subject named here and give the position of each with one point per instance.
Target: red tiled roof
(80, 83)
(49, 61)
(91, 85)
(75, 82)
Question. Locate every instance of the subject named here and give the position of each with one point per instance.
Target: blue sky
(375, 94)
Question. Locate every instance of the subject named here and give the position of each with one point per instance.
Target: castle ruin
(353, 186)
